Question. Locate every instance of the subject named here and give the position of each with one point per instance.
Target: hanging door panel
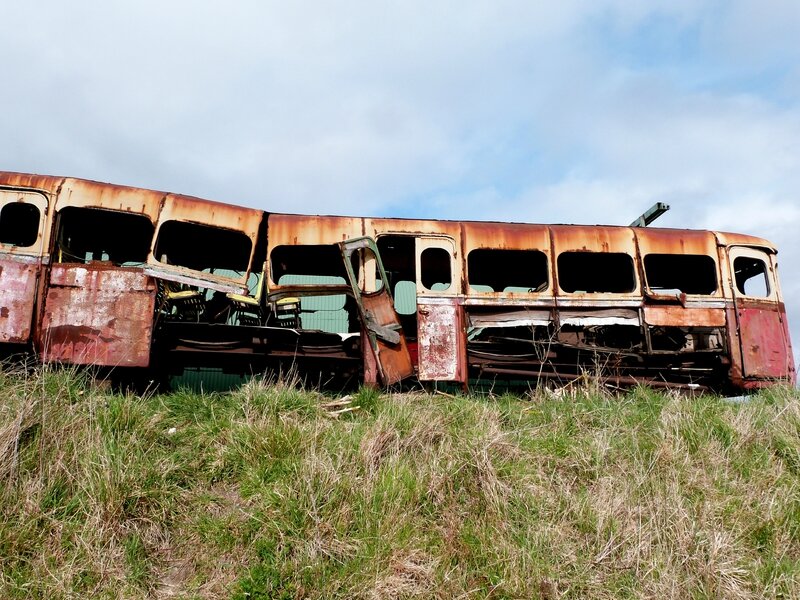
(376, 308)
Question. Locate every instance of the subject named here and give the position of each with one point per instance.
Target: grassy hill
(266, 493)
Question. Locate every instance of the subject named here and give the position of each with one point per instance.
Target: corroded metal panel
(18, 276)
(597, 238)
(506, 236)
(675, 241)
(740, 239)
(312, 230)
(442, 340)
(98, 314)
(678, 316)
(196, 210)
(93, 194)
(374, 227)
(765, 351)
(30, 181)
(391, 351)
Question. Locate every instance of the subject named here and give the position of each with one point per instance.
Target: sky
(549, 112)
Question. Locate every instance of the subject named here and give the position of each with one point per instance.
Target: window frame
(11, 196)
(761, 254)
(547, 290)
(660, 292)
(424, 242)
(635, 291)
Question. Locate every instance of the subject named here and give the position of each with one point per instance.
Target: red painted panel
(17, 294)
(764, 349)
(98, 314)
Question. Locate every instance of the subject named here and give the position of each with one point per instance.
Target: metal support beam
(650, 215)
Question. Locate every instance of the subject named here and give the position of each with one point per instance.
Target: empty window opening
(93, 234)
(687, 273)
(19, 224)
(397, 254)
(334, 313)
(436, 270)
(203, 247)
(366, 270)
(309, 260)
(751, 276)
(596, 272)
(494, 270)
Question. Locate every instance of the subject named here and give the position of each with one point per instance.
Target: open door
(376, 308)
(22, 232)
(761, 318)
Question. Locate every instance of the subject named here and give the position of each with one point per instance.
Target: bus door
(376, 308)
(22, 231)
(760, 317)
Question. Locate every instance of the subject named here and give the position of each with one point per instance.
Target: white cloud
(503, 110)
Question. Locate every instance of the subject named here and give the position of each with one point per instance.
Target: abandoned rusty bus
(148, 282)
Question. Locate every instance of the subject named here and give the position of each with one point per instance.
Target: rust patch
(17, 293)
(677, 316)
(765, 352)
(98, 314)
(441, 341)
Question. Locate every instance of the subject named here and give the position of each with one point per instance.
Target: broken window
(19, 224)
(202, 247)
(493, 270)
(687, 273)
(314, 265)
(327, 312)
(596, 272)
(88, 234)
(436, 271)
(397, 255)
(322, 260)
(751, 276)
(366, 269)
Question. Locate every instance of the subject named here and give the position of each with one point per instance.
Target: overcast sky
(568, 111)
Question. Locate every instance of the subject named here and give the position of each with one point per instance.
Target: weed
(260, 493)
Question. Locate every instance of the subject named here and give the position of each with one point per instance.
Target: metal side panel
(98, 314)
(18, 275)
(442, 341)
(765, 353)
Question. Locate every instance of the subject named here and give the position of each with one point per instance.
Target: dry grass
(261, 494)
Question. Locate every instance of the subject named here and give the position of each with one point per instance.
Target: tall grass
(261, 493)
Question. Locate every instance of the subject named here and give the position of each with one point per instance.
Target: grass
(261, 493)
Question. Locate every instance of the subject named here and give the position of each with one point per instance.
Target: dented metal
(400, 301)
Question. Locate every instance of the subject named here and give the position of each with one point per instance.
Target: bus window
(687, 273)
(202, 247)
(596, 272)
(751, 276)
(493, 270)
(19, 224)
(435, 270)
(89, 234)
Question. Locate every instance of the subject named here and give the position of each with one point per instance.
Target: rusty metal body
(94, 273)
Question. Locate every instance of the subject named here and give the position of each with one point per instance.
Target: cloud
(567, 111)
